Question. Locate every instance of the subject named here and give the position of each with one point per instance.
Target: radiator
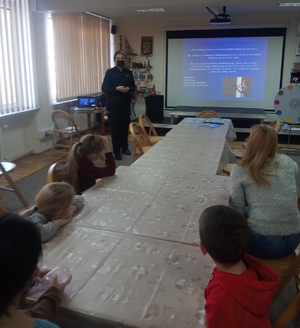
(81, 120)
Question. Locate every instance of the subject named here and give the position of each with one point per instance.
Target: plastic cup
(62, 272)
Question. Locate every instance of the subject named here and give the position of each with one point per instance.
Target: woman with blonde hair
(80, 171)
(263, 184)
(55, 206)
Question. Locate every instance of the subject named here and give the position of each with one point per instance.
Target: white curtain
(16, 79)
(81, 47)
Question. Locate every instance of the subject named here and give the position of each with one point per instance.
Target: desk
(242, 113)
(88, 113)
(133, 249)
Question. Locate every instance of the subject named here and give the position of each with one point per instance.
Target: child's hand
(105, 144)
(61, 286)
(70, 211)
(63, 221)
(41, 275)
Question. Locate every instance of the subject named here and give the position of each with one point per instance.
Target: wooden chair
(288, 267)
(208, 114)
(65, 131)
(227, 169)
(55, 172)
(4, 168)
(150, 136)
(141, 144)
(275, 125)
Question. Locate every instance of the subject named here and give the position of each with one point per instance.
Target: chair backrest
(64, 122)
(138, 136)
(55, 172)
(145, 121)
(275, 125)
(208, 114)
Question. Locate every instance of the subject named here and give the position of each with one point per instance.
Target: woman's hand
(122, 89)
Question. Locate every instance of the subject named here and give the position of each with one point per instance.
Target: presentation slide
(224, 71)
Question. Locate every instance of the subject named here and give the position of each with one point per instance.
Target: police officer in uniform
(119, 85)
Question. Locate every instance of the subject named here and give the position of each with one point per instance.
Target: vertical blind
(81, 51)
(17, 91)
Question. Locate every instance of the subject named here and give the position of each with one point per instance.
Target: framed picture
(136, 75)
(142, 76)
(147, 45)
(127, 62)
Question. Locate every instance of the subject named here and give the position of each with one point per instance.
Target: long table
(133, 249)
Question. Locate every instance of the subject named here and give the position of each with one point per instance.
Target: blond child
(55, 205)
(263, 188)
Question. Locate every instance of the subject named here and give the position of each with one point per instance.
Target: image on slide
(237, 87)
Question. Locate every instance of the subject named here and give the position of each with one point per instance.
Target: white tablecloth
(133, 249)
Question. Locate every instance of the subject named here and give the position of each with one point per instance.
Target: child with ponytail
(80, 171)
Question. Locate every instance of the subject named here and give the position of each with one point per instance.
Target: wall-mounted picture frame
(142, 76)
(136, 75)
(127, 62)
(147, 46)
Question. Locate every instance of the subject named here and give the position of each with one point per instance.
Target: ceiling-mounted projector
(220, 19)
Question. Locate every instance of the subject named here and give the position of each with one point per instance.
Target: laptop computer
(85, 102)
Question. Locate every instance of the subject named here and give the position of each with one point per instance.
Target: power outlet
(44, 133)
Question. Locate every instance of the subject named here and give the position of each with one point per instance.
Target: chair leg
(53, 143)
(289, 135)
(288, 314)
(14, 187)
(288, 275)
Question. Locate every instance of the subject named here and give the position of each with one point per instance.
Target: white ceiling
(174, 8)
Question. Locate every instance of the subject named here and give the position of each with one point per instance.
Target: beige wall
(18, 134)
(135, 29)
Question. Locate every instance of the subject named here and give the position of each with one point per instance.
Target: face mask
(120, 63)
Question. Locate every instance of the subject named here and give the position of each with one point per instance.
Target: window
(17, 91)
(81, 54)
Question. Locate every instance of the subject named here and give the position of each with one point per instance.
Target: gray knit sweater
(271, 211)
(45, 224)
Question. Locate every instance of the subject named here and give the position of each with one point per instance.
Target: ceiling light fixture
(289, 4)
(152, 10)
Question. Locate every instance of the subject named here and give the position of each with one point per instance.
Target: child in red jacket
(241, 288)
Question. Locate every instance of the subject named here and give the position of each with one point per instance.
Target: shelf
(142, 69)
